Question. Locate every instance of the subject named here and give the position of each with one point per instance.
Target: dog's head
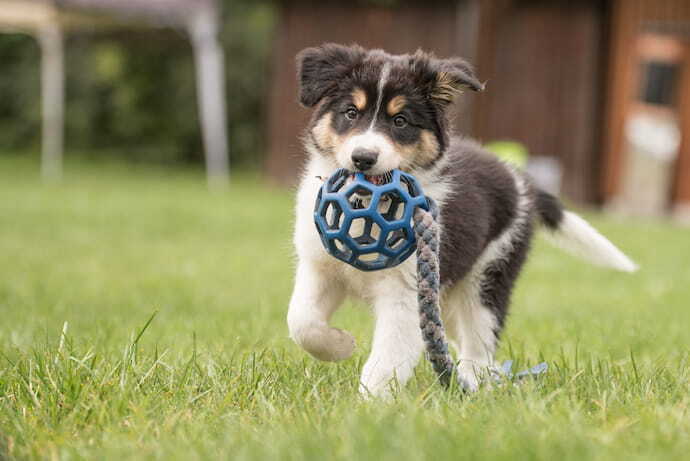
(376, 111)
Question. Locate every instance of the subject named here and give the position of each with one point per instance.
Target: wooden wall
(543, 60)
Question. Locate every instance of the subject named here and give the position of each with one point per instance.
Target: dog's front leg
(315, 298)
(397, 344)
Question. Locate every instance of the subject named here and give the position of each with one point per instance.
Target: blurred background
(590, 95)
(142, 315)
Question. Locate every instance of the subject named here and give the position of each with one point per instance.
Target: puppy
(374, 112)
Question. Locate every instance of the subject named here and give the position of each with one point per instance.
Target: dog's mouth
(380, 179)
(360, 197)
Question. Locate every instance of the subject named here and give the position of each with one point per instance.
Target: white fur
(322, 282)
(388, 159)
(383, 79)
(578, 237)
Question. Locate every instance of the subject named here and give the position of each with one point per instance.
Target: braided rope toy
(427, 231)
(395, 218)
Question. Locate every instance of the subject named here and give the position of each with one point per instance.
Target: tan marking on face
(421, 153)
(396, 104)
(359, 98)
(327, 139)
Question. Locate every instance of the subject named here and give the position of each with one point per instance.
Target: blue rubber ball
(367, 225)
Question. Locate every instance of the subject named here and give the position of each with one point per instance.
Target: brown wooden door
(629, 19)
(658, 87)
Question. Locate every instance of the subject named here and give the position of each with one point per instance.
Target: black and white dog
(374, 112)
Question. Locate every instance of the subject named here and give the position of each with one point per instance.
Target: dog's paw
(473, 377)
(325, 343)
(342, 344)
(468, 379)
(373, 389)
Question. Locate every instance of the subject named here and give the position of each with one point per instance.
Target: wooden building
(562, 75)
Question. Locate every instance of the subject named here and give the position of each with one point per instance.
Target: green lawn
(215, 375)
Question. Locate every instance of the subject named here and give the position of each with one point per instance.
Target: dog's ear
(452, 76)
(320, 68)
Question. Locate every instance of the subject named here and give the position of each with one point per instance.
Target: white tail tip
(578, 237)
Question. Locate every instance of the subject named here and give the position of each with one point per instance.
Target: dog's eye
(399, 121)
(351, 113)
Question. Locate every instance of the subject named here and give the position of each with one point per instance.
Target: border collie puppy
(374, 112)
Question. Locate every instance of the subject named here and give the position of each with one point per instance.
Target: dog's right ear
(453, 75)
(320, 68)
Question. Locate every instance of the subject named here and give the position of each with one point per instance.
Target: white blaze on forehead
(372, 140)
(383, 79)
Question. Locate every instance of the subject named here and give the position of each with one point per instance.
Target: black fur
(549, 208)
(481, 206)
(320, 69)
(500, 275)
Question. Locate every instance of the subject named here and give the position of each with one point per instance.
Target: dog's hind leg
(474, 328)
(480, 303)
(315, 298)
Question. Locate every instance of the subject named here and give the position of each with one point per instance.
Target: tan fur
(421, 153)
(446, 88)
(327, 139)
(359, 98)
(396, 104)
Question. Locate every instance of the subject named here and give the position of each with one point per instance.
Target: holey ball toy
(366, 221)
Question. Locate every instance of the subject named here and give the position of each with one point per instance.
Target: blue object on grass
(367, 225)
(506, 371)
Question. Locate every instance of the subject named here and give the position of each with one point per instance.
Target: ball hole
(410, 186)
(369, 257)
(334, 216)
(392, 206)
(342, 248)
(359, 197)
(396, 239)
(364, 231)
(336, 182)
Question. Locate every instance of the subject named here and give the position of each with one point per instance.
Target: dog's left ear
(320, 69)
(452, 76)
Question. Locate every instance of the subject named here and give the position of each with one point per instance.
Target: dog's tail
(573, 234)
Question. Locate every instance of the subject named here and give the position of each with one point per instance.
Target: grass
(143, 317)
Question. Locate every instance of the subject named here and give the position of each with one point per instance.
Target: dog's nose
(364, 159)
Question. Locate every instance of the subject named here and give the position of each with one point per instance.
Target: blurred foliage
(132, 92)
(19, 91)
